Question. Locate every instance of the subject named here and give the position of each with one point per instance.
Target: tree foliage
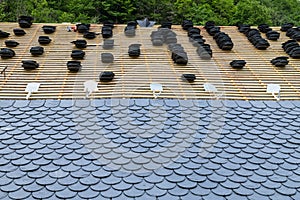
(223, 12)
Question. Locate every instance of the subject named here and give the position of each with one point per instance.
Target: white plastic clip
(208, 87)
(156, 89)
(274, 88)
(89, 87)
(30, 88)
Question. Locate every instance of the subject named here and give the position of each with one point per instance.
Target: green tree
(223, 12)
(283, 11)
(251, 12)
(119, 11)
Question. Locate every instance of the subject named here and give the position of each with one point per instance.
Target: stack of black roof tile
(129, 30)
(49, 29)
(222, 39)
(157, 38)
(44, 40)
(134, 50)
(80, 43)
(77, 54)
(107, 57)
(106, 76)
(108, 44)
(237, 64)
(107, 31)
(25, 21)
(256, 39)
(11, 43)
(293, 33)
(264, 28)
(4, 34)
(166, 24)
(186, 24)
(163, 35)
(19, 32)
(74, 66)
(271, 34)
(89, 35)
(179, 56)
(82, 28)
(109, 23)
(30, 64)
(194, 34)
(286, 26)
(292, 48)
(203, 50)
(243, 28)
(37, 50)
(211, 28)
(188, 77)
(280, 61)
(7, 53)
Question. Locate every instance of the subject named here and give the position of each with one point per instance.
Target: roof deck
(154, 65)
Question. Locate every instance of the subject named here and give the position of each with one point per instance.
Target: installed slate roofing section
(143, 149)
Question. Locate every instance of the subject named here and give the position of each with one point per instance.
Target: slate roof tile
(89, 194)
(253, 154)
(134, 193)
(65, 194)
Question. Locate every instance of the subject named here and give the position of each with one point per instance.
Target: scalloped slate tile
(89, 194)
(255, 155)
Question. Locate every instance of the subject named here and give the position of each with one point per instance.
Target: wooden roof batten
(154, 65)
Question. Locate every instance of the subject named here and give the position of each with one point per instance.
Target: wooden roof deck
(133, 76)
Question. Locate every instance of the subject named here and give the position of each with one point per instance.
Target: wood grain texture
(133, 75)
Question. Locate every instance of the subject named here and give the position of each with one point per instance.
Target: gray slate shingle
(141, 148)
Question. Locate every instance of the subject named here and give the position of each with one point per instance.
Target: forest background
(223, 12)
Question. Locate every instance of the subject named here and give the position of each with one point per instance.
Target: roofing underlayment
(121, 143)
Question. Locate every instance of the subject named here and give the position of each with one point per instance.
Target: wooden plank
(133, 76)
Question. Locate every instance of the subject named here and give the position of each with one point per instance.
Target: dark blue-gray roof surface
(149, 149)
